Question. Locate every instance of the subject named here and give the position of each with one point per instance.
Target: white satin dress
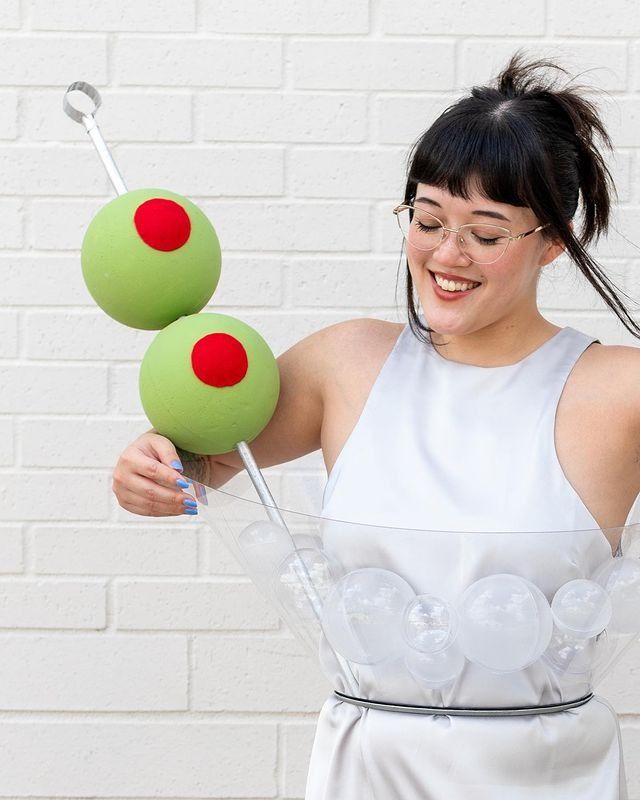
(446, 446)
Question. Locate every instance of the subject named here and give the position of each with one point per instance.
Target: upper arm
(295, 428)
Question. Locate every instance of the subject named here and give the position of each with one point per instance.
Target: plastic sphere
(149, 257)
(435, 669)
(430, 623)
(303, 581)
(505, 622)
(621, 579)
(362, 615)
(264, 546)
(570, 655)
(581, 608)
(209, 381)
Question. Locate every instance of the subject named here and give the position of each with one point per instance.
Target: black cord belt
(471, 712)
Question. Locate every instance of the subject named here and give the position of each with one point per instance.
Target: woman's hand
(145, 483)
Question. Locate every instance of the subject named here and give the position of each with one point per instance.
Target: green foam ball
(149, 257)
(209, 381)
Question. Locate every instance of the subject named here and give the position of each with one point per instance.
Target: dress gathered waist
(461, 711)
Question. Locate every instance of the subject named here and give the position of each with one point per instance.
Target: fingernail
(177, 465)
(191, 511)
(191, 503)
(182, 483)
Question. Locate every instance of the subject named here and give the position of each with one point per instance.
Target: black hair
(524, 142)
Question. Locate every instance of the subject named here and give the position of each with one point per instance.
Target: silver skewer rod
(264, 493)
(99, 143)
(91, 126)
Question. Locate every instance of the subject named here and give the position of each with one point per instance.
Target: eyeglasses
(481, 243)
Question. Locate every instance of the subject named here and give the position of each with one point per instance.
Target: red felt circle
(219, 359)
(162, 224)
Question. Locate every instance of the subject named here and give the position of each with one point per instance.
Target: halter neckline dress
(447, 446)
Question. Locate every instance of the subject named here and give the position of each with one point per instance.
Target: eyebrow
(478, 212)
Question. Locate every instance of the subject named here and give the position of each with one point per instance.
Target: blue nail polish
(191, 511)
(191, 503)
(182, 483)
(177, 465)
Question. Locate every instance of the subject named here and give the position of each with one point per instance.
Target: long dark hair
(524, 142)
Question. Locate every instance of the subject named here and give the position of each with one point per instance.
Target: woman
(489, 418)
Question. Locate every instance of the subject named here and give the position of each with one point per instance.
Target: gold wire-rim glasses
(507, 233)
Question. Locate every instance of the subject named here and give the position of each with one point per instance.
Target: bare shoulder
(614, 372)
(357, 342)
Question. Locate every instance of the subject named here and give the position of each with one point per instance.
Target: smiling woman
(520, 155)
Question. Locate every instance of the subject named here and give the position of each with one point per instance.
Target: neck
(496, 345)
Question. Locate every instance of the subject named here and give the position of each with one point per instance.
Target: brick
(61, 224)
(206, 171)
(401, 119)
(255, 674)
(366, 64)
(576, 18)
(93, 672)
(605, 62)
(343, 283)
(81, 335)
(460, 19)
(175, 758)
(622, 117)
(291, 16)
(11, 560)
(10, 14)
(563, 286)
(52, 60)
(11, 213)
(354, 173)
(84, 550)
(75, 442)
(283, 117)
(35, 170)
(194, 605)
(297, 741)
(43, 280)
(8, 114)
(52, 496)
(41, 603)
(132, 116)
(197, 62)
(247, 281)
(125, 394)
(291, 226)
(117, 15)
(8, 334)
(70, 389)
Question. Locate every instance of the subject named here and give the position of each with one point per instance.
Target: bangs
(463, 152)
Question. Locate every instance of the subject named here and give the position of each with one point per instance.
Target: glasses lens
(421, 229)
(483, 244)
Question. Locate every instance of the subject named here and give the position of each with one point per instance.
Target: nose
(448, 252)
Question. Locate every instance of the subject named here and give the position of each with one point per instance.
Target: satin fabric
(446, 446)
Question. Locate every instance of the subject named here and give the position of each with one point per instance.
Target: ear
(552, 250)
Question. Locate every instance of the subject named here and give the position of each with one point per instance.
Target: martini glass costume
(461, 599)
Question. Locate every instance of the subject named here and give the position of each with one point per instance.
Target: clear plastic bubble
(621, 578)
(303, 581)
(505, 622)
(570, 655)
(264, 545)
(435, 669)
(430, 623)
(362, 615)
(581, 608)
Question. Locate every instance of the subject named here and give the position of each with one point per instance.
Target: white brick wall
(122, 637)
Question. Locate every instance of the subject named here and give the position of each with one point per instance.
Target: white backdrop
(135, 659)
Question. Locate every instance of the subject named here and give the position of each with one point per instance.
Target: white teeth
(450, 286)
